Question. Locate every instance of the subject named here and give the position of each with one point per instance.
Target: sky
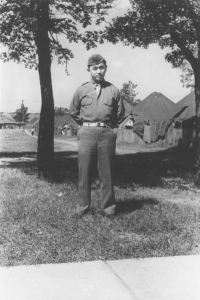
(145, 67)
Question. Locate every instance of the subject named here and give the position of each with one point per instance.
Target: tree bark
(197, 98)
(45, 154)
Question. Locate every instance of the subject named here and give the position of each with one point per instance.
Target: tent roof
(188, 103)
(154, 107)
(125, 121)
(34, 120)
(62, 120)
(4, 120)
(182, 111)
(66, 119)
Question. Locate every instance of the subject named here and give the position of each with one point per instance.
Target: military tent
(6, 122)
(60, 123)
(180, 125)
(150, 115)
(33, 122)
(63, 122)
(126, 133)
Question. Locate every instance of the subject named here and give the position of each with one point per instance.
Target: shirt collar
(102, 83)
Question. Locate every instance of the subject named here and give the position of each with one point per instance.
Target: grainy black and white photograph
(100, 150)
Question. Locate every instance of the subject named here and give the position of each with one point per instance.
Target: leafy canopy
(21, 115)
(170, 23)
(60, 111)
(19, 27)
(129, 94)
(187, 76)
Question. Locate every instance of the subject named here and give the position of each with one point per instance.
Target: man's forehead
(98, 65)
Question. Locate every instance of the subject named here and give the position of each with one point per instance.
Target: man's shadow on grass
(130, 205)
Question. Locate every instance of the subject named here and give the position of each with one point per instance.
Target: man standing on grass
(98, 109)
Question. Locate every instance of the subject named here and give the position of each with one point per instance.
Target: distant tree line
(60, 111)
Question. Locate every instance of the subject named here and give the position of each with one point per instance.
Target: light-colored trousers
(96, 144)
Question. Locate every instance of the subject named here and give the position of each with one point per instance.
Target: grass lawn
(158, 207)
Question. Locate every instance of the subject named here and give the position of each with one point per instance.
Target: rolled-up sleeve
(75, 108)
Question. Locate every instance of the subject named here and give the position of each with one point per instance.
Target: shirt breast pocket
(86, 105)
(108, 105)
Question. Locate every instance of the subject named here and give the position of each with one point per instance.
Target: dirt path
(73, 143)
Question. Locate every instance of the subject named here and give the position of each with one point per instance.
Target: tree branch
(187, 53)
(61, 49)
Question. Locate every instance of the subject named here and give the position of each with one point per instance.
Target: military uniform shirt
(107, 107)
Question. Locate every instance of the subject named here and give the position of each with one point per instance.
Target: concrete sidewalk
(169, 278)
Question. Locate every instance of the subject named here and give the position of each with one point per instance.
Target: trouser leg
(86, 157)
(106, 154)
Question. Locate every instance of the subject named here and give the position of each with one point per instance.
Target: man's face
(98, 72)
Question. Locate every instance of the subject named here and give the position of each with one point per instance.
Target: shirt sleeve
(75, 108)
(120, 108)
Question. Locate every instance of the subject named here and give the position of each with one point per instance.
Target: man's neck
(100, 82)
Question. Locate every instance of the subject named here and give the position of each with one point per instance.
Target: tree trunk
(45, 155)
(197, 98)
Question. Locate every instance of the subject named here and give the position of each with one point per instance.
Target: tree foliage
(19, 27)
(170, 23)
(60, 111)
(173, 24)
(21, 115)
(30, 31)
(129, 94)
(187, 76)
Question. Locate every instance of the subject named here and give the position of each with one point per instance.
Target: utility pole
(23, 113)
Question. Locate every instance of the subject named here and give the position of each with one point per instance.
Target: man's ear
(105, 67)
